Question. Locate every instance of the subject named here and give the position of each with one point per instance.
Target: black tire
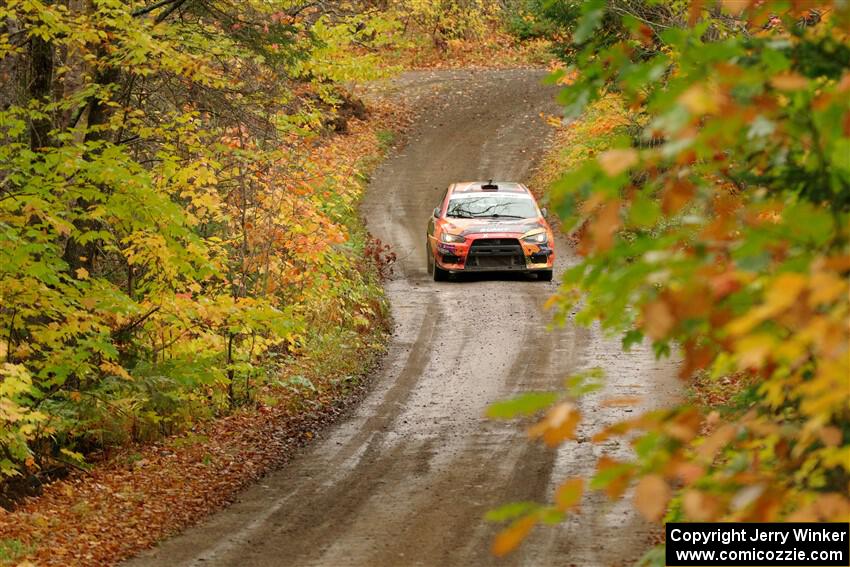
(440, 275)
(544, 275)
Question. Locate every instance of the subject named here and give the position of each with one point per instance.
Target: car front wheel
(544, 275)
(440, 275)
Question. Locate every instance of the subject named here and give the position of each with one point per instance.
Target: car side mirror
(436, 212)
(545, 212)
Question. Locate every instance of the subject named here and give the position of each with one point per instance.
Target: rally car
(492, 227)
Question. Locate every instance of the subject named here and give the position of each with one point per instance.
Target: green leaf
(592, 14)
(644, 211)
(524, 404)
(511, 511)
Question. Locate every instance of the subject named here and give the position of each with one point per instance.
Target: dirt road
(406, 479)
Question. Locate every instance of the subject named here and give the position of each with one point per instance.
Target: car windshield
(491, 206)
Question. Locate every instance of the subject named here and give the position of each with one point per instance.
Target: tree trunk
(39, 87)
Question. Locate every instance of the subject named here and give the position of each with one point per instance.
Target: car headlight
(451, 238)
(539, 238)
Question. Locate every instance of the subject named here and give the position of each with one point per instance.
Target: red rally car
(487, 226)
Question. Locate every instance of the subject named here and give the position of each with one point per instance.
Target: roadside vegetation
(175, 228)
(713, 222)
(178, 206)
(187, 291)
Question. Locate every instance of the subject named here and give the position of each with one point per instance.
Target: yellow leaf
(615, 162)
(509, 538)
(549, 304)
(569, 493)
(754, 350)
(82, 273)
(651, 497)
(825, 288)
(781, 295)
(744, 324)
(784, 291)
(699, 99)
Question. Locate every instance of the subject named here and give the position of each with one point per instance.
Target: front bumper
(501, 254)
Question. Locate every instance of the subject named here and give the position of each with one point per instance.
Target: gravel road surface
(405, 479)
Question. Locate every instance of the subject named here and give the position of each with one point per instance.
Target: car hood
(468, 227)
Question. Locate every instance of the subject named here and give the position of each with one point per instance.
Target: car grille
(483, 242)
(499, 253)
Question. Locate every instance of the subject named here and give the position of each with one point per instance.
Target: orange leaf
(830, 436)
(685, 426)
(658, 319)
(716, 440)
(618, 484)
(789, 82)
(569, 494)
(651, 497)
(605, 225)
(619, 428)
(689, 473)
(700, 507)
(697, 357)
(615, 162)
(694, 12)
(558, 425)
(509, 538)
(677, 194)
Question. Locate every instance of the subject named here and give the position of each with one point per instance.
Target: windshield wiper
(459, 216)
(499, 216)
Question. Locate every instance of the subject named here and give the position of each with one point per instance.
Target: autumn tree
(161, 237)
(716, 225)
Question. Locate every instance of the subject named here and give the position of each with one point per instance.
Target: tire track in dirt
(406, 478)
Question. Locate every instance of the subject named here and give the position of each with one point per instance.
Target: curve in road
(406, 479)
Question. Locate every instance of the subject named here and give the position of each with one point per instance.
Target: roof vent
(489, 186)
